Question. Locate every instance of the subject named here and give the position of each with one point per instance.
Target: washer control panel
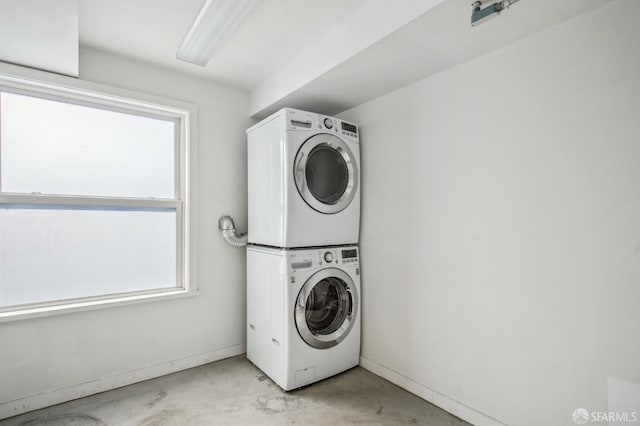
(298, 260)
(349, 255)
(338, 256)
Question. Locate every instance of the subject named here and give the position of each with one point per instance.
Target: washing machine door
(326, 173)
(326, 308)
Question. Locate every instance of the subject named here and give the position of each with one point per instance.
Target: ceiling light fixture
(215, 22)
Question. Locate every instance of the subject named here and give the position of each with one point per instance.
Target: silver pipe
(228, 229)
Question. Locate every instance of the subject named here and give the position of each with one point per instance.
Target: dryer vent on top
(304, 180)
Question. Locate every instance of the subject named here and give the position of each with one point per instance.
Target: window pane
(58, 148)
(59, 252)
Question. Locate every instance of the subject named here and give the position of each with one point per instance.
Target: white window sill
(91, 304)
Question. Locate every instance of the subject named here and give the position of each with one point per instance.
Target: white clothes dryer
(303, 181)
(303, 312)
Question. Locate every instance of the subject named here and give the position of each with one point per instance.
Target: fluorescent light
(215, 22)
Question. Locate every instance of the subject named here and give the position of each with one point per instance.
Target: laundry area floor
(234, 392)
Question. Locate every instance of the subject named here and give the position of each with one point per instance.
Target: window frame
(83, 93)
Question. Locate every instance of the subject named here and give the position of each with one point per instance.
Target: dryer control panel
(335, 125)
(303, 120)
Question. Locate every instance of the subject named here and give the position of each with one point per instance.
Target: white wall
(501, 226)
(40, 34)
(46, 360)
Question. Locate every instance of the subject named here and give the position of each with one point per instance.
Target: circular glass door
(326, 308)
(326, 173)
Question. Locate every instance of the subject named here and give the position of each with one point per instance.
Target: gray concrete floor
(234, 392)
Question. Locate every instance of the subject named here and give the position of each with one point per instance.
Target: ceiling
(325, 56)
(431, 43)
(151, 30)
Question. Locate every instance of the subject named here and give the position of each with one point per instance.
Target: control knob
(328, 123)
(328, 257)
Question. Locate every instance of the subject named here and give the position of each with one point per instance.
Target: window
(93, 198)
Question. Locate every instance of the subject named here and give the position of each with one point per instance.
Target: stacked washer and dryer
(303, 273)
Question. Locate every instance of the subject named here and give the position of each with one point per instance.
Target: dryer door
(326, 308)
(326, 173)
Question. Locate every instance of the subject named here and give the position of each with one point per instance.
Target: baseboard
(102, 384)
(454, 407)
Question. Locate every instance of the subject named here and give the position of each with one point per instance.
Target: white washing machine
(303, 312)
(303, 180)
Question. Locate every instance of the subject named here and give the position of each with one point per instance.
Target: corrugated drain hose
(228, 229)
